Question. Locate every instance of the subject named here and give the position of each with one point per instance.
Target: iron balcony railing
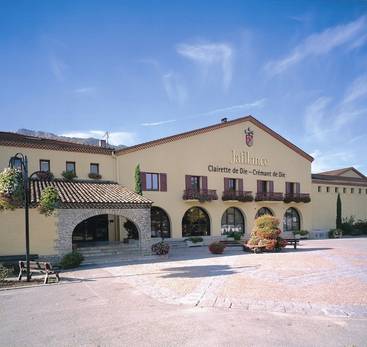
(200, 194)
(297, 197)
(269, 196)
(242, 196)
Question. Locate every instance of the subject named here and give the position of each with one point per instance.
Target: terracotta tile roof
(90, 195)
(18, 140)
(212, 128)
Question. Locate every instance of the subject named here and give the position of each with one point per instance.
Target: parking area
(315, 293)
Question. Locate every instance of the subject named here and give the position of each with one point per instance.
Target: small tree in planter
(216, 247)
(266, 235)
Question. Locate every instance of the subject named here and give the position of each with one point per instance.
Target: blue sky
(143, 70)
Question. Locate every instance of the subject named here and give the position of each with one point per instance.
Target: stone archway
(68, 219)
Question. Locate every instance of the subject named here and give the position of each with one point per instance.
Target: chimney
(223, 120)
(102, 143)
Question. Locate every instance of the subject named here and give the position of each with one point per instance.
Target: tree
(138, 180)
(338, 212)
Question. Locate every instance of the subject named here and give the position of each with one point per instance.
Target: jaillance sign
(247, 159)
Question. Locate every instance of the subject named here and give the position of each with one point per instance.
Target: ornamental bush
(195, 239)
(266, 234)
(160, 248)
(3, 273)
(71, 260)
(216, 247)
(69, 175)
(49, 200)
(11, 189)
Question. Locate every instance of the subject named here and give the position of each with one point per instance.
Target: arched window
(262, 211)
(92, 229)
(291, 220)
(233, 221)
(195, 222)
(160, 224)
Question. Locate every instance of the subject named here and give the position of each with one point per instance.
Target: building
(207, 182)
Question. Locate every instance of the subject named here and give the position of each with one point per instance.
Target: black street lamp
(21, 160)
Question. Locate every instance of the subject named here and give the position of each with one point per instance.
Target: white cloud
(210, 54)
(315, 117)
(85, 90)
(331, 160)
(152, 124)
(174, 88)
(58, 68)
(322, 43)
(115, 137)
(357, 90)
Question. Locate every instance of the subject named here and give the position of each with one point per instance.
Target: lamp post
(23, 160)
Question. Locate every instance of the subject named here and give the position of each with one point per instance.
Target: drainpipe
(116, 168)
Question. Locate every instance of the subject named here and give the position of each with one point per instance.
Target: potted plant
(194, 241)
(11, 189)
(216, 247)
(160, 248)
(69, 175)
(94, 176)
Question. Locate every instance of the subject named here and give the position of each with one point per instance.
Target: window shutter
(259, 186)
(240, 184)
(188, 182)
(204, 182)
(226, 184)
(143, 180)
(271, 186)
(287, 187)
(163, 182)
(298, 188)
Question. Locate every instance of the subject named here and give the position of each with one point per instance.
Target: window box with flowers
(94, 176)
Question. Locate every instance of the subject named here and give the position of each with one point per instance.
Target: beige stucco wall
(324, 204)
(58, 161)
(42, 231)
(192, 156)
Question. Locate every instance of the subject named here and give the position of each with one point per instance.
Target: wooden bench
(42, 267)
(293, 242)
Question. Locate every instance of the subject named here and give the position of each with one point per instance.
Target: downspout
(116, 167)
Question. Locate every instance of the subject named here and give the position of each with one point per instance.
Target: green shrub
(11, 189)
(361, 226)
(335, 233)
(49, 200)
(71, 260)
(69, 175)
(3, 273)
(94, 176)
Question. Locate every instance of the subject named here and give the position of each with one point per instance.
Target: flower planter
(194, 244)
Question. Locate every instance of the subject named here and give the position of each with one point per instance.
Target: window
(44, 165)
(351, 190)
(232, 184)
(262, 211)
(94, 168)
(336, 189)
(360, 190)
(327, 189)
(17, 163)
(319, 189)
(291, 220)
(195, 183)
(160, 225)
(232, 221)
(195, 222)
(344, 190)
(70, 166)
(152, 180)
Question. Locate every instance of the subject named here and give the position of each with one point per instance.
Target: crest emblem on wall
(249, 137)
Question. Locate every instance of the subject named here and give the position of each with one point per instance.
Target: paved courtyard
(316, 295)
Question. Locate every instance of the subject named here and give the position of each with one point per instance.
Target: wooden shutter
(271, 186)
(298, 188)
(287, 187)
(143, 180)
(226, 184)
(240, 184)
(259, 186)
(204, 182)
(163, 182)
(188, 182)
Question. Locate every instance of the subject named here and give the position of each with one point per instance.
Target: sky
(147, 69)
